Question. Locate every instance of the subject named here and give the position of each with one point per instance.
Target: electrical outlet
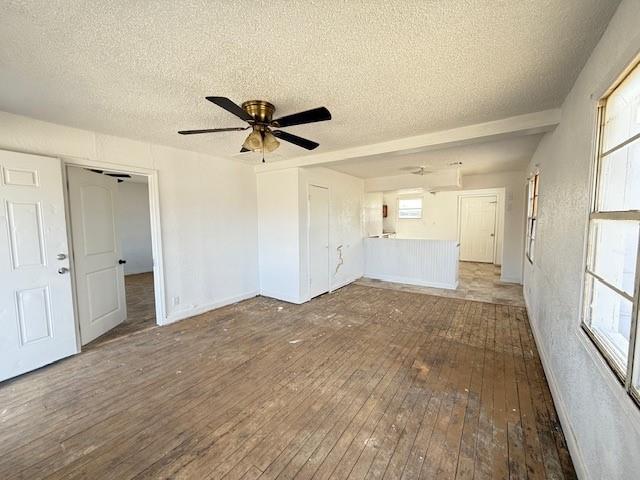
(176, 301)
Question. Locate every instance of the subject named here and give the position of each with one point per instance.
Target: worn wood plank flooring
(361, 383)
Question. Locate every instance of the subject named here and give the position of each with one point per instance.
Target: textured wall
(601, 423)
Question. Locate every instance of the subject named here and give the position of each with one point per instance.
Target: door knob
(61, 256)
(63, 270)
(122, 262)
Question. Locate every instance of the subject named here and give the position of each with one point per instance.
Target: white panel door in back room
(318, 240)
(477, 228)
(37, 325)
(99, 271)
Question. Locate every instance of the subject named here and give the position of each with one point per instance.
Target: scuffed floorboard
(361, 383)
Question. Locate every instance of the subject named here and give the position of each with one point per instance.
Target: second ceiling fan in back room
(259, 115)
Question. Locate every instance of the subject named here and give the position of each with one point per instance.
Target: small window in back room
(410, 208)
(611, 276)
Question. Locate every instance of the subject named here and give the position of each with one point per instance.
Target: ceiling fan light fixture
(253, 141)
(258, 114)
(270, 142)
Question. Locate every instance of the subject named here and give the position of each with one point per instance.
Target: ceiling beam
(527, 124)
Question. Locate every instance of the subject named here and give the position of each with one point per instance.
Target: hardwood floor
(477, 281)
(362, 383)
(141, 309)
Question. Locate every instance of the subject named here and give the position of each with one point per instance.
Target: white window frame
(400, 217)
(631, 376)
(533, 193)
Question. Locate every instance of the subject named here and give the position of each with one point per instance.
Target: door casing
(498, 225)
(156, 238)
(308, 228)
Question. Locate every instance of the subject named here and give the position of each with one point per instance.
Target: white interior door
(477, 228)
(96, 246)
(318, 240)
(37, 326)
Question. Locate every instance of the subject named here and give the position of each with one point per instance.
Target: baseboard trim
(572, 443)
(280, 296)
(412, 281)
(200, 309)
(346, 282)
(511, 280)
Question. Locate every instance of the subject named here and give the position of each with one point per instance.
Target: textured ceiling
(386, 69)
(507, 155)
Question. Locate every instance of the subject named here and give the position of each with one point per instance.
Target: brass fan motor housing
(260, 110)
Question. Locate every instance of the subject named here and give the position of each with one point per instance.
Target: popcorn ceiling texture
(386, 69)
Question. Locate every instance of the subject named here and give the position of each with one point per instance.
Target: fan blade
(212, 130)
(310, 116)
(231, 107)
(243, 150)
(296, 140)
(118, 175)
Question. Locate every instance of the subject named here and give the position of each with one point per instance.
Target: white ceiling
(386, 69)
(507, 155)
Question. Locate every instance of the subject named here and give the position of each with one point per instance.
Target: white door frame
(326, 187)
(498, 228)
(156, 231)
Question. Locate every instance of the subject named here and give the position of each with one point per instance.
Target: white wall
(601, 423)
(514, 184)
(208, 208)
(346, 225)
(440, 216)
(283, 230)
(279, 234)
(134, 227)
(373, 220)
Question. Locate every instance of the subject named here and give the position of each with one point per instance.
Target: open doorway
(112, 253)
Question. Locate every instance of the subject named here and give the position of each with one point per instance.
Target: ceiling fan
(421, 170)
(118, 176)
(259, 115)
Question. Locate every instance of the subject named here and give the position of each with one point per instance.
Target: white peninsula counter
(430, 263)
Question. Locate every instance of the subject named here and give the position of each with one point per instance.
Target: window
(532, 214)
(611, 279)
(410, 208)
